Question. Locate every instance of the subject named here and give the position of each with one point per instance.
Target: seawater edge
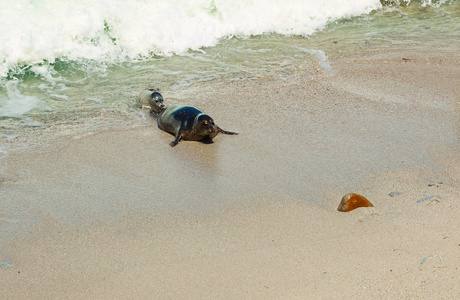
(78, 97)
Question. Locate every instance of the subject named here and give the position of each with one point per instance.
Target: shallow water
(61, 93)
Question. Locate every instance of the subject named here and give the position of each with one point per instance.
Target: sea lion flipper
(225, 132)
(176, 141)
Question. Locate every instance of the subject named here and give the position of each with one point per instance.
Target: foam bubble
(15, 104)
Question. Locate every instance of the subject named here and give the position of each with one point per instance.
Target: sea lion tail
(226, 132)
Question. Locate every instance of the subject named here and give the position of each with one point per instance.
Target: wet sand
(120, 214)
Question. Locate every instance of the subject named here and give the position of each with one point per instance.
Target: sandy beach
(122, 215)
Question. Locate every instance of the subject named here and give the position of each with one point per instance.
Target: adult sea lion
(152, 98)
(188, 123)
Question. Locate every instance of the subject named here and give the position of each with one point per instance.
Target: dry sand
(120, 214)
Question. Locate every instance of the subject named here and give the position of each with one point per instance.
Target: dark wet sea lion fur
(188, 123)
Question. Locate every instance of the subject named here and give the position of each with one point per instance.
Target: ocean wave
(35, 32)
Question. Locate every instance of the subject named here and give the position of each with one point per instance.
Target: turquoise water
(87, 79)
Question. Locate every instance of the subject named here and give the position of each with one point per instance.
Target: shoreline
(121, 214)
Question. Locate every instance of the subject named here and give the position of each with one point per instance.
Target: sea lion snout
(209, 128)
(212, 129)
(158, 99)
(207, 124)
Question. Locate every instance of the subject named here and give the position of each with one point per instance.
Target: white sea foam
(114, 30)
(16, 104)
(321, 57)
(60, 97)
(97, 100)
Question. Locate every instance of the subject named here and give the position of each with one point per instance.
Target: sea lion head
(157, 101)
(205, 124)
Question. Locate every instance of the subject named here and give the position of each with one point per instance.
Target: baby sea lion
(152, 98)
(188, 123)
